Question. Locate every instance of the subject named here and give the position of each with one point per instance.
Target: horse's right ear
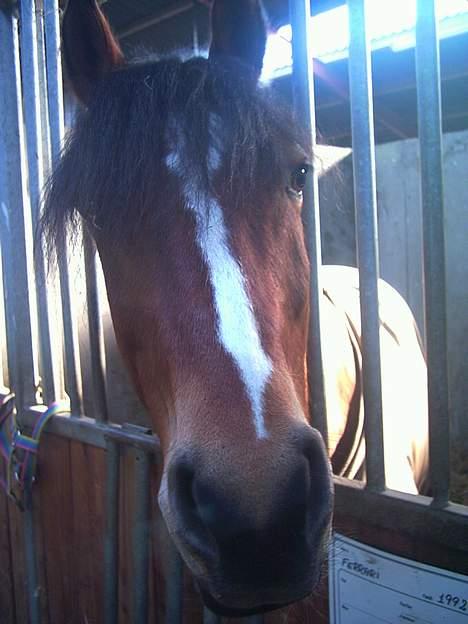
(238, 29)
(89, 47)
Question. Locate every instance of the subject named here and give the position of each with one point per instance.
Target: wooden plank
(88, 470)
(55, 485)
(7, 597)
(41, 554)
(15, 519)
(126, 509)
(156, 580)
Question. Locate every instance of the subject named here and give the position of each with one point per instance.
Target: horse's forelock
(110, 172)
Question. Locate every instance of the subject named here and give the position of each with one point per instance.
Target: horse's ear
(90, 49)
(238, 29)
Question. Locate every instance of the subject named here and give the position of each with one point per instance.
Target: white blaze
(237, 329)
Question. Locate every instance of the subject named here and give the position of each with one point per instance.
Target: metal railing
(430, 141)
(31, 135)
(365, 199)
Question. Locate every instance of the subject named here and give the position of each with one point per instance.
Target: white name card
(369, 586)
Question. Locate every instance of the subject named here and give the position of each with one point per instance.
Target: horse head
(189, 177)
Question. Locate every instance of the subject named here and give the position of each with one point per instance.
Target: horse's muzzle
(251, 553)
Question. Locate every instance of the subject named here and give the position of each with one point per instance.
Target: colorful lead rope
(19, 451)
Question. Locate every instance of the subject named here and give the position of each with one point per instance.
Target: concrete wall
(401, 247)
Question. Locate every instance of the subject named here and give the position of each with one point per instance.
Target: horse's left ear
(89, 47)
(238, 29)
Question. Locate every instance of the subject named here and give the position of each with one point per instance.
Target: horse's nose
(247, 536)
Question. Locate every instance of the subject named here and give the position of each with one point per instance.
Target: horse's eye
(298, 179)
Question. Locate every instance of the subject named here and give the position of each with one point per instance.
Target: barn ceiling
(126, 13)
(165, 25)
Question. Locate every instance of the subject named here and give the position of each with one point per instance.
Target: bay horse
(189, 177)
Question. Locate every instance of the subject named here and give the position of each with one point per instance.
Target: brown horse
(189, 177)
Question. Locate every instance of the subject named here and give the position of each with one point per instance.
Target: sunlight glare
(390, 24)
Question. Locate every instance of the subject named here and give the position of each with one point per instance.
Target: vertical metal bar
(210, 618)
(8, 281)
(365, 197)
(96, 337)
(31, 558)
(56, 128)
(304, 101)
(54, 76)
(141, 525)
(16, 235)
(15, 223)
(174, 587)
(32, 117)
(46, 150)
(111, 536)
(430, 141)
(4, 253)
(3, 375)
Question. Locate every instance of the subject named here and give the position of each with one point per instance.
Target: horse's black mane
(109, 170)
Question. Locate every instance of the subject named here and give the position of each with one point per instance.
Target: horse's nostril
(320, 483)
(183, 487)
(190, 527)
(313, 447)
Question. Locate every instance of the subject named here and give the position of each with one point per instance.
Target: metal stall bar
(16, 223)
(111, 537)
(44, 109)
(7, 278)
(141, 532)
(430, 141)
(3, 372)
(50, 382)
(56, 129)
(174, 587)
(304, 103)
(6, 310)
(17, 266)
(365, 197)
(96, 337)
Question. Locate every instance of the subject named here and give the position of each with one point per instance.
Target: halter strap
(18, 450)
